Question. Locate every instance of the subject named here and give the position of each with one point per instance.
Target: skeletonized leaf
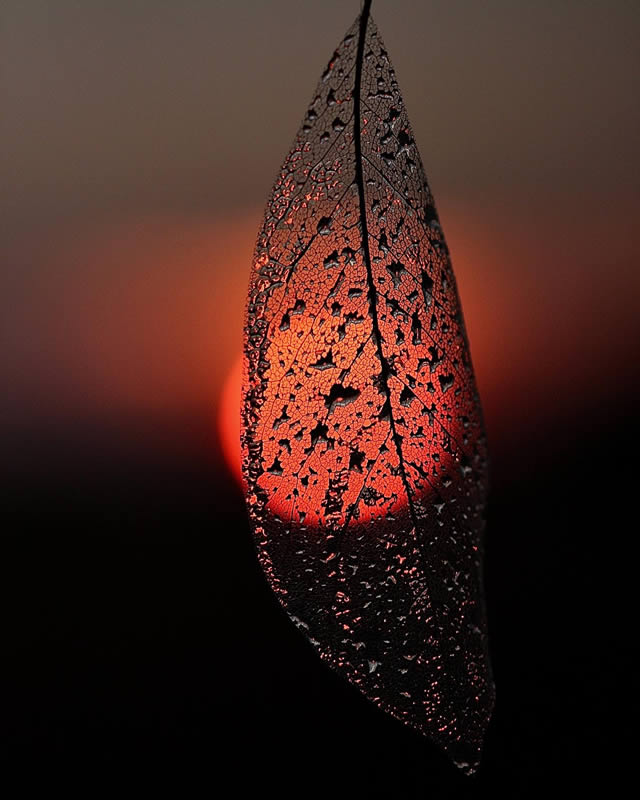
(363, 447)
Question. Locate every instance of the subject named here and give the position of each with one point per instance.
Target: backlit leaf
(364, 454)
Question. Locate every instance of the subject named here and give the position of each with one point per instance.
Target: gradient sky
(140, 139)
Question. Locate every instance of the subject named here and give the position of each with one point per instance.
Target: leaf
(364, 453)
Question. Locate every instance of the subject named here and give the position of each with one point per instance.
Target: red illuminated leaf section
(363, 447)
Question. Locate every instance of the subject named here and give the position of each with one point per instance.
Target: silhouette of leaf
(364, 454)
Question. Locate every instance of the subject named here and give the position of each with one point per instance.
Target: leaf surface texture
(364, 454)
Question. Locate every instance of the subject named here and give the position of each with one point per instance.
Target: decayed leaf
(363, 448)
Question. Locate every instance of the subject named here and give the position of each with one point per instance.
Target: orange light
(229, 420)
(229, 435)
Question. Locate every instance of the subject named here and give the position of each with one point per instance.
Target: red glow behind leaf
(229, 419)
(229, 435)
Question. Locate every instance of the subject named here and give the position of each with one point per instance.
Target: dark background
(139, 635)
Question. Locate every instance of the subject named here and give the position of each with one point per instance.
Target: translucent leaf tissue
(364, 454)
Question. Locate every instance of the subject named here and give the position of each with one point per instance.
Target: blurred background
(139, 143)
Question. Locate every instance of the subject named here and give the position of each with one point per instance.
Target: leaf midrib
(385, 369)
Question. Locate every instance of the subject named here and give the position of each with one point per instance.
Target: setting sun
(228, 425)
